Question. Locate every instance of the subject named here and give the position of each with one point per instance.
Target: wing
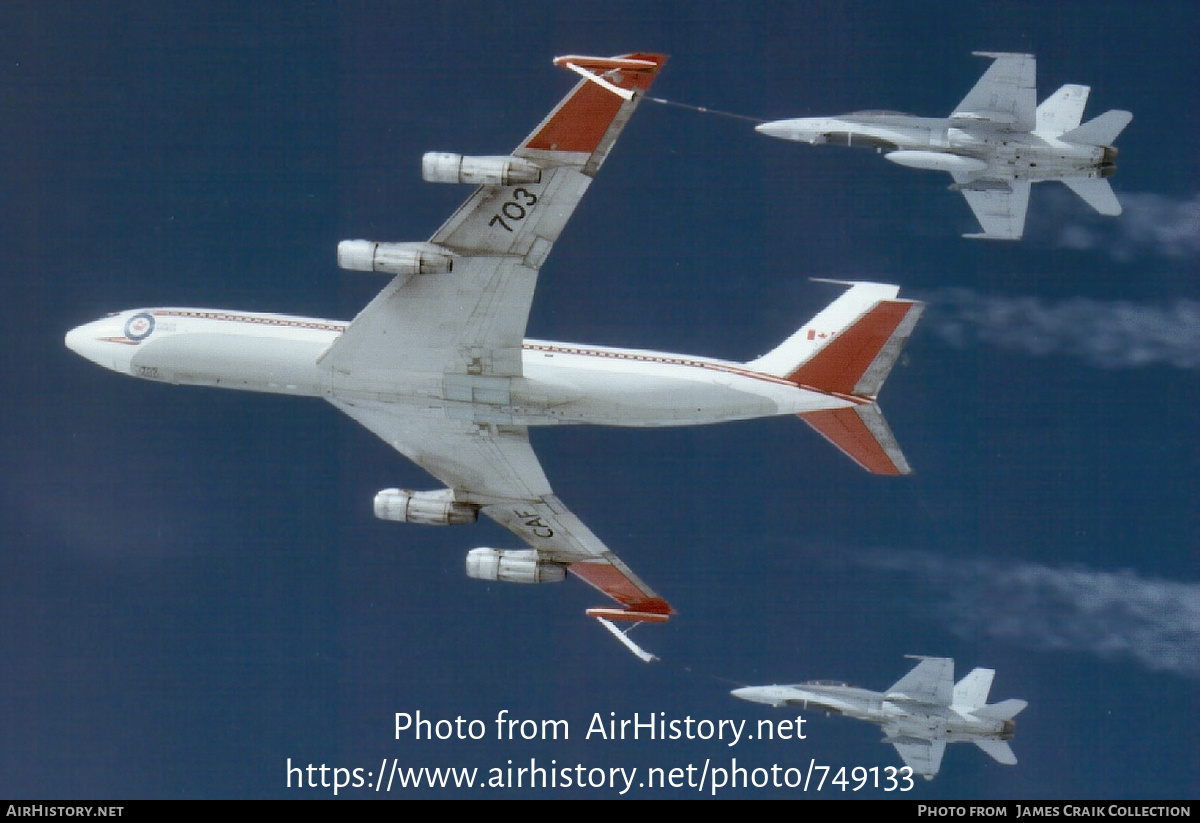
(999, 206)
(1006, 94)
(427, 365)
(931, 681)
(924, 757)
(472, 320)
(494, 467)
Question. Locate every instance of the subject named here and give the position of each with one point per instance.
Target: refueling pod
(444, 167)
(513, 566)
(394, 258)
(437, 508)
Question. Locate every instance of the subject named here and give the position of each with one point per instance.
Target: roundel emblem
(139, 326)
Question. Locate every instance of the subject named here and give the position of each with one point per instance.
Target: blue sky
(193, 588)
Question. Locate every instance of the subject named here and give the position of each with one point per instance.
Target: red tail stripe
(846, 430)
(838, 366)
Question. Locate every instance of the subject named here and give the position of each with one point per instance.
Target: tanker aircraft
(437, 364)
(920, 714)
(995, 144)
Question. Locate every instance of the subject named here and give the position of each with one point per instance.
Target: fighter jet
(995, 143)
(920, 714)
(437, 365)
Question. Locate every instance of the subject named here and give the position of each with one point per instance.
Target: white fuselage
(560, 382)
(904, 717)
(984, 148)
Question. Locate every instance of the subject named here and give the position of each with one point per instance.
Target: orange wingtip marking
(626, 614)
(609, 579)
(846, 430)
(582, 119)
(838, 366)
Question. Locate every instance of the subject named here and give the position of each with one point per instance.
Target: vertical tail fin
(1062, 111)
(848, 350)
(820, 332)
(972, 691)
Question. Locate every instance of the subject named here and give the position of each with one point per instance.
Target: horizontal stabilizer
(998, 750)
(1100, 131)
(848, 350)
(1004, 710)
(1096, 192)
(863, 435)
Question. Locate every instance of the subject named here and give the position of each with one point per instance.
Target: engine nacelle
(443, 167)
(513, 566)
(394, 258)
(437, 508)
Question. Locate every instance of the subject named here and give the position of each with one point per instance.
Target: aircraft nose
(85, 341)
(76, 340)
(756, 694)
(97, 342)
(797, 129)
(776, 128)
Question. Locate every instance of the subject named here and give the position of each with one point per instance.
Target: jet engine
(437, 508)
(394, 258)
(513, 566)
(443, 167)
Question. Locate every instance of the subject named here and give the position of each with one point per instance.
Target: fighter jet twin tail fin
(847, 351)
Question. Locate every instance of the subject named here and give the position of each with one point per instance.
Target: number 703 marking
(514, 210)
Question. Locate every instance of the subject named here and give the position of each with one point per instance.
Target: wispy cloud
(1151, 225)
(1110, 614)
(1109, 334)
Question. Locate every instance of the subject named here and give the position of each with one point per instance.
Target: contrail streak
(1107, 334)
(1109, 614)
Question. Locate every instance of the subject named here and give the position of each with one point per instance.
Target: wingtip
(985, 236)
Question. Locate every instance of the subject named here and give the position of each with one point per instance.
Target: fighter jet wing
(931, 682)
(454, 339)
(999, 205)
(924, 757)
(1006, 95)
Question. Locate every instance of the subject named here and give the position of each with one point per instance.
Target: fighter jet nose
(776, 128)
(755, 694)
(803, 130)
